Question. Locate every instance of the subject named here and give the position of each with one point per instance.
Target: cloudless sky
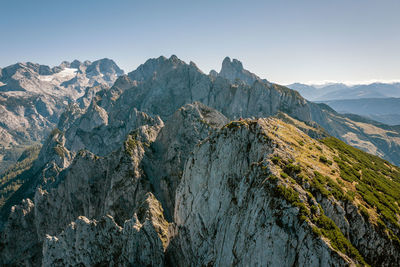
(283, 41)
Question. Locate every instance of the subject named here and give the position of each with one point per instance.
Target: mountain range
(33, 96)
(384, 110)
(375, 101)
(340, 91)
(171, 166)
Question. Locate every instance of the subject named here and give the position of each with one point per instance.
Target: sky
(283, 41)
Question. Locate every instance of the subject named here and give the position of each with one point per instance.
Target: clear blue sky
(283, 41)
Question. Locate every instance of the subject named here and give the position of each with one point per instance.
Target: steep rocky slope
(228, 207)
(33, 96)
(247, 186)
(67, 183)
(263, 183)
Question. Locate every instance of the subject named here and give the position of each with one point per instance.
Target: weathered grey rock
(19, 245)
(227, 214)
(370, 241)
(175, 142)
(89, 242)
(61, 147)
(102, 132)
(94, 186)
(233, 70)
(90, 186)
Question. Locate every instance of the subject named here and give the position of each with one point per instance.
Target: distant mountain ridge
(384, 110)
(67, 79)
(340, 91)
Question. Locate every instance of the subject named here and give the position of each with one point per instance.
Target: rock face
(90, 242)
(233, 70)
(161, 86)
(90, 186)
(66, 79)
(227, 212)
(19, 244)
(33, 96)
(231, 207)
(173, 145)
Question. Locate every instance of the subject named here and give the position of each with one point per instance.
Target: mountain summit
(233, 69)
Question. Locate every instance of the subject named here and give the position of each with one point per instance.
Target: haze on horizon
(283, 41)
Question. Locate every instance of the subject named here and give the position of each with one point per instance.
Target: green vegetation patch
(328, 229)
(236, 124)
(292, 169)
(324, 226)
(324, 160)
(11, 180)
(377, 181)
(131, 143)
(326, 186)
(276, 160)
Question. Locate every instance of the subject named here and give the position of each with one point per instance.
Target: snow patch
(65, 74)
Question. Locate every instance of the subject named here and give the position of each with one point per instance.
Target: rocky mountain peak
(213, 73)
(75, 64)
(155, 67)
(233, 69)
(104, 66)
(234, 63)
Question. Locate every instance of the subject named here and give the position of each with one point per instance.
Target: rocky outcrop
(94, 186)
(19, 244)
(89, 242)
(176, 84)
(164, 85)
(173, 145)
(90, 186)
(233, 70)
(102, 132)
(369, 240)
